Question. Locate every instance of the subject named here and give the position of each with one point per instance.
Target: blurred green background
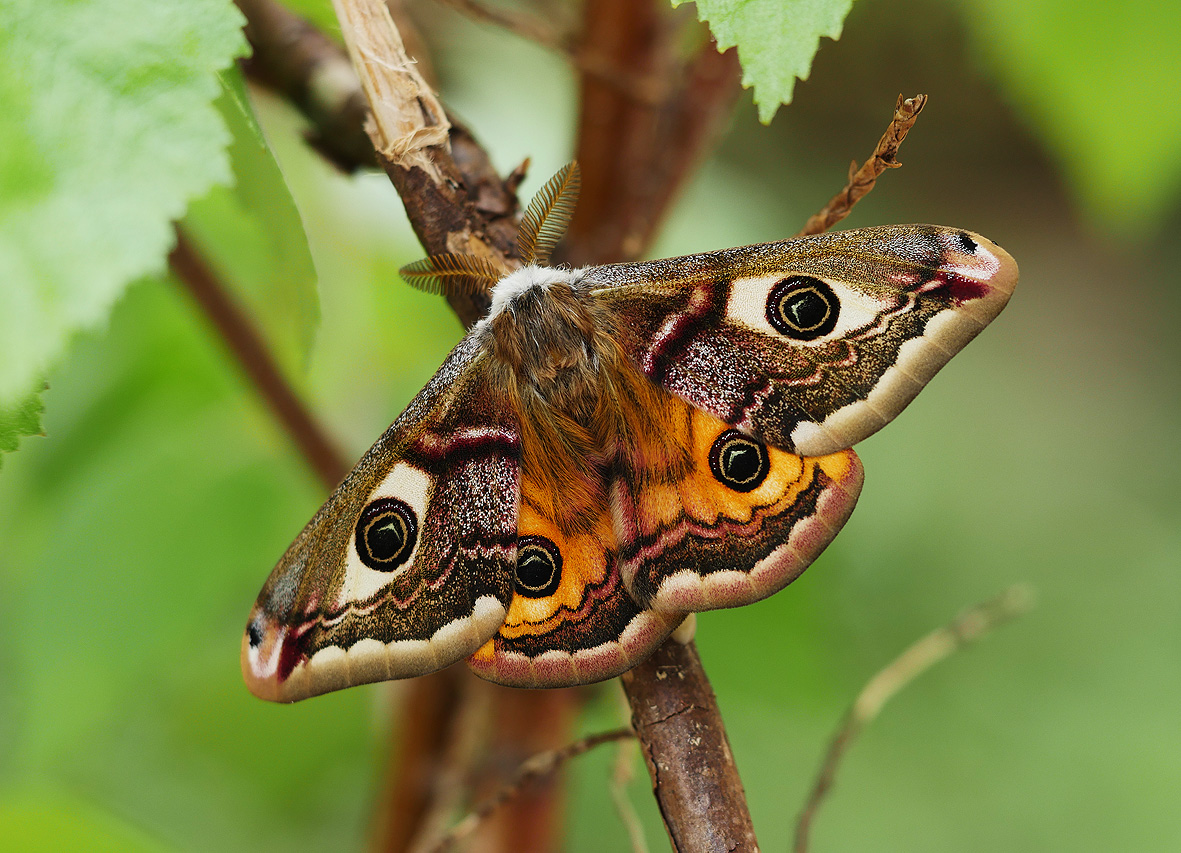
(134, 538)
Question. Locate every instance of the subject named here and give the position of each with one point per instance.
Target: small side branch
(525, 26)
(538, 768)
(940, 644)
(247, 346)
(861, 181)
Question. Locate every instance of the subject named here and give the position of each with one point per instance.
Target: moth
(612, 448)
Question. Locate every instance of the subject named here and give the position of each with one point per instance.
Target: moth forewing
(408, 566)
(811, 344)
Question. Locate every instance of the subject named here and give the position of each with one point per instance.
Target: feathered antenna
(542, 226)
(548, 214)
(452, 274)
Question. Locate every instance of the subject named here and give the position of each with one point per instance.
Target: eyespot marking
(386, 533)
(738, 461)
(967, 243)
(538, 571)
(254, 635)
(803, 308)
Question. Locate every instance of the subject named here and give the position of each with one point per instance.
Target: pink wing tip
(267, 659)
(975, 268)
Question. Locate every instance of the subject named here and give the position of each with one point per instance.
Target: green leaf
(20, 420)
(1099, 89)
(109, 130)
(776, 40)
(252, 234)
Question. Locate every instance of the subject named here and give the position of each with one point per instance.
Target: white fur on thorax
(519, 282)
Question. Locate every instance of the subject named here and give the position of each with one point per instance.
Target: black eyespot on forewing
(738, 461)
(539, 567)
(803, 308)
(967, 243)
(386, 533)
(255, 635)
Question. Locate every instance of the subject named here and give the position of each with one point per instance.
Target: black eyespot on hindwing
(386, 533)
(738, 461)
(803, 307)
(967, 243)
(539, 567)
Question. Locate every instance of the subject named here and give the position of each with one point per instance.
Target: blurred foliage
(134, 538)
(1099, 90)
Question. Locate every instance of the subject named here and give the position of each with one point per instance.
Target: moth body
(583, 406)
(612, 448)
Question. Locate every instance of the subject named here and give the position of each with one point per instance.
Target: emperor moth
(613, 447)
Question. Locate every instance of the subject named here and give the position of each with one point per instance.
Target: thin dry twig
(649, 89)
(407, 118)
(621, 777)
(861, 181)
(454, 199)
(246, 343)
(426, 709)
(467, 736)
(967, 628)
(526, 26)
(539, 767)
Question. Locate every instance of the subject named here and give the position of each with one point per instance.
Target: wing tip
(263, 645)
(979, 272)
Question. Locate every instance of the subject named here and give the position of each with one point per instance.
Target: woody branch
(636, 148)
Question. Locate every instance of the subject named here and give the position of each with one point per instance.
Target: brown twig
(861, 181)
(967, 628)
(537, 768)
(634, 158)
(649, 89)
(683, 739)
(636, 152)
(247, 346)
